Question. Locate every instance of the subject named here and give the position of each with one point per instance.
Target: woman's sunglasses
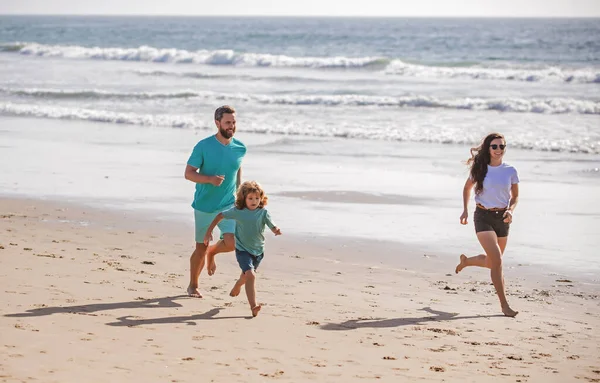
(494, 146)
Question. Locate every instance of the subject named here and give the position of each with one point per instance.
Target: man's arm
(191, 174)
(239, 178)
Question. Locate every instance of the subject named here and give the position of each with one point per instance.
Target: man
(215, 167)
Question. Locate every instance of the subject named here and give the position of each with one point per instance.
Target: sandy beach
(358, 130)
(90, 295)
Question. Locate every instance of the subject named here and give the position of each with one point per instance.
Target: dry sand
(95, 296)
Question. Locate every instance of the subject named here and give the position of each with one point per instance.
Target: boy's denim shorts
(247, 261)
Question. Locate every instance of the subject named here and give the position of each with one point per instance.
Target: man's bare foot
(509, 312)
(211, 267)
(235, 291)
(255, 310)
(462, 264)
(194, 292)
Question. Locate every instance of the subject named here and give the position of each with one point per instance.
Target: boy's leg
(251, 291)
(235, 291)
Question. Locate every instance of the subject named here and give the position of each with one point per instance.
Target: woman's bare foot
(462, 264)
(194, 292)
(509, 312)
(211, 267)
(235, 291)
(255, 310)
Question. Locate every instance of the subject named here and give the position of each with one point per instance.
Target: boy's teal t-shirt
(212, 158)
(250, 228)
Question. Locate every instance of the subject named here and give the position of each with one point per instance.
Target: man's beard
(226, 133)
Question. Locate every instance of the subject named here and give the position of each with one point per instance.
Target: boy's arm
(271, 225)
(276, 230)
(215, 222)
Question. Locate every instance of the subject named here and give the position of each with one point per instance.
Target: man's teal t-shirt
(250, 228)
(212, 158)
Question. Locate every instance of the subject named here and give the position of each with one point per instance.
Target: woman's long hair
(250, 187)
(480, 158)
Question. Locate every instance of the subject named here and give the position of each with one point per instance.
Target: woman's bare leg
(493, 251)
(481, 259)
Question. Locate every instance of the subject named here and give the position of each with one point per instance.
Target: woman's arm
(466, 197)
(512, 205)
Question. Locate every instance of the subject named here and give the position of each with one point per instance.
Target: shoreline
(406, 193)
(392, 254)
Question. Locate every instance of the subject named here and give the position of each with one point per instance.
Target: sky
(392, 8)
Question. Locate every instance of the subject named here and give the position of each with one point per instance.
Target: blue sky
(423, 8)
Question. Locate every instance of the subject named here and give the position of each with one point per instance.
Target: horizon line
(296, 16)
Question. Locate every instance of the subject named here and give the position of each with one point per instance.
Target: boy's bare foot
(255, 310)
(235, 291)
(462, 264)
(509, 312)
(194, 292)
(211, 264)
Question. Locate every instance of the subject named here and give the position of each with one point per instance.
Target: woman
(496, 195)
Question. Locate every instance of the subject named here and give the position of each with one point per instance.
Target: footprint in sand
(498, 344)
(275, 374)
(439, 330)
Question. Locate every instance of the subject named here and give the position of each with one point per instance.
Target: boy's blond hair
(250, 187)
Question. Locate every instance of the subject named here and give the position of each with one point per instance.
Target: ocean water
(446, 81)
(356, 127)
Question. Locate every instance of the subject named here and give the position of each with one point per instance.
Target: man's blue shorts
(203, 220)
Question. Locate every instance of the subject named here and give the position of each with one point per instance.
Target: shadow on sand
(397, 322)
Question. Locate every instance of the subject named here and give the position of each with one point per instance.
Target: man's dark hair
(225, 109)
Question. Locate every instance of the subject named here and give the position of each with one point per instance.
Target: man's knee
(200, 250)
